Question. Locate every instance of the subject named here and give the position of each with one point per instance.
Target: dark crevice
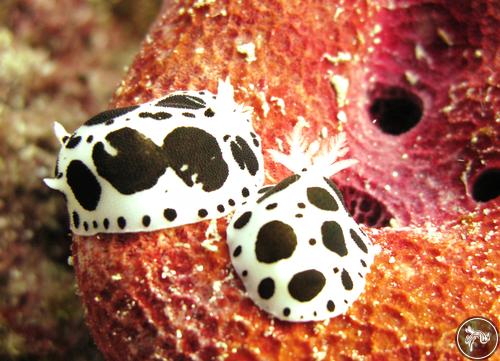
(486, 186)
(365, 209)
(395, 110)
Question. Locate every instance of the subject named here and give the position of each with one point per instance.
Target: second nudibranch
(299, 253)
(186, 157)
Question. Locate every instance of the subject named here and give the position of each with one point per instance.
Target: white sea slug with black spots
(299, 253)
(186, 157)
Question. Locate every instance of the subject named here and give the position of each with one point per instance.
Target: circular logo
(477, 338)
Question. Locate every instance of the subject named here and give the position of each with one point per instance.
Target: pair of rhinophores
(193, 155)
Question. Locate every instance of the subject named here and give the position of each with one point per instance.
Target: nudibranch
(299, 253)
(186, 157)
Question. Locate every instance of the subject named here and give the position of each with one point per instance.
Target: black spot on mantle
(359, 242)
(306, 285)
(322, 199)
(336, 190)
(83, 184)
(73, 142)
(155, 116)
(76, 219)
(275, 241)
(200, 151)
(182, 101)
(237, 251)
(137, 166)
(346, 280)
(103, 117)
(333, 237)
(242, 220)
(266, 288)
(244, 156)
(280, 186)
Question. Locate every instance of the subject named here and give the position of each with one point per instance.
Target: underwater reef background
(415, 85)
(59, 60)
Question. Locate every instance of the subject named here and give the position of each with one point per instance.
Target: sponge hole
(486, 186)
(395, 110)
(365, 209)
